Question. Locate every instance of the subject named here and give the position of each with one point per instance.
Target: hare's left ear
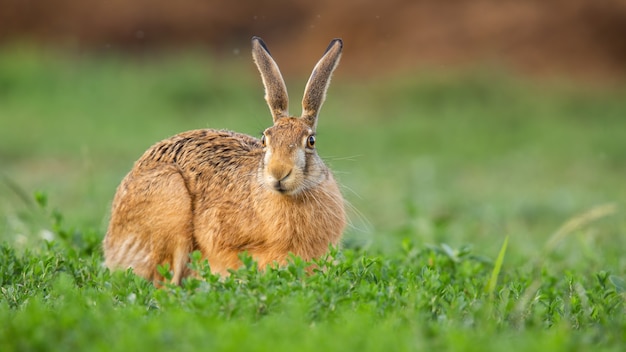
(315, 90)
(275, 89)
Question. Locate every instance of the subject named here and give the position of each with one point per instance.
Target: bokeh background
(561, 37)
(453, 121)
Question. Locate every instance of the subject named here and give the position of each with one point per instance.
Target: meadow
(487, 211)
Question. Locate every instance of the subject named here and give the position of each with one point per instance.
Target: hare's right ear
(316, 87)
(275, 89)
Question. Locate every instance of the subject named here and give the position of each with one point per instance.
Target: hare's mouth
(284, 188)
(281, 187)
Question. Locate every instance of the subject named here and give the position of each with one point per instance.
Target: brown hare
(224, 193)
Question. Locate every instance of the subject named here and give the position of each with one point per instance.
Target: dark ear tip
(261, 42)
(333, 42)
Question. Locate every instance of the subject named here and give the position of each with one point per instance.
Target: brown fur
(224, 193)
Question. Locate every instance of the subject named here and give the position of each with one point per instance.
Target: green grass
(488, 212)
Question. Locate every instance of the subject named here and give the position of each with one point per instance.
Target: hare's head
(291, 164)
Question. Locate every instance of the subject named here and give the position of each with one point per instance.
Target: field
(487, 211)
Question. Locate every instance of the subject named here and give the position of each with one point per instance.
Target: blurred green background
(446, 122)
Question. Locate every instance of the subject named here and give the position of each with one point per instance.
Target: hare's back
(197, 149)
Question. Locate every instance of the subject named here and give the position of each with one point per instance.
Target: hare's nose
(280, 174)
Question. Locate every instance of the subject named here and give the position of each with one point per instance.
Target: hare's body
(224, 193)
(190, 203)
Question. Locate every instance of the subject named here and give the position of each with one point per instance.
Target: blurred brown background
(583, 38)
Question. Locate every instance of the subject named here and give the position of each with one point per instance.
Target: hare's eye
(310, 142)
(263, 142)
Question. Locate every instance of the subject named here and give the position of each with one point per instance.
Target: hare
(224, 193)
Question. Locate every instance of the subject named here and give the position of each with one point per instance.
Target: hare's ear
(315, 91)
(275, 90)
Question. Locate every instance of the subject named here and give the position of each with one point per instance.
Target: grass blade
(578, 222)
(491, 285)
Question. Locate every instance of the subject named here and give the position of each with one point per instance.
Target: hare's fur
(224, 193)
